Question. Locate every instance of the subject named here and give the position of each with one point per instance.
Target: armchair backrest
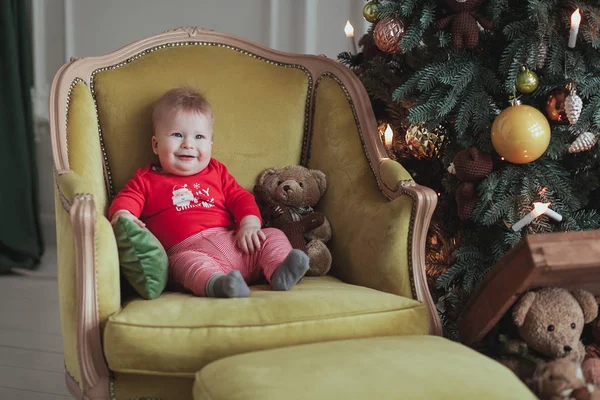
(260, 105)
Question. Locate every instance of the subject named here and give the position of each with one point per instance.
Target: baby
(208, 223)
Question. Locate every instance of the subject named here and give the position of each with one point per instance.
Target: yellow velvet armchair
(271, 109)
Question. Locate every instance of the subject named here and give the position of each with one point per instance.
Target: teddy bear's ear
(321, 180)
(588, 304)
(522, 307)
(265, 175)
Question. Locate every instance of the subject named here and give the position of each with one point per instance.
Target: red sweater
(176, 207)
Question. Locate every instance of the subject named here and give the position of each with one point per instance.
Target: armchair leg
(100, 392)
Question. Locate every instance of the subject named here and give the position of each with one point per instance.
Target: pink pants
(194, 260)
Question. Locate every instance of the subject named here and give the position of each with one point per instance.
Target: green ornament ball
(370, 11)
(527, 80)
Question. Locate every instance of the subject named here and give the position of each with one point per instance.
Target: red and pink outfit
(195, 218)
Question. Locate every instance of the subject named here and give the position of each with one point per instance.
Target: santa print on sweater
(176, 207)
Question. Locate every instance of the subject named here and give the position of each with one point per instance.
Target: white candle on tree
(575, 21)
(553, 214)
(538, 209)
(349, 31)
(388, 135)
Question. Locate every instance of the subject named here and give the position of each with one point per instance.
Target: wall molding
(69, 30)
(274, 24)
(311, 16)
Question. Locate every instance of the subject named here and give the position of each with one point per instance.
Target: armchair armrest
(88, 280)
(394, 177)
(378, 214)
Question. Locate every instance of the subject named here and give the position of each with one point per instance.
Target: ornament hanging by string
(584, 142)
(555, 106)
(573, 105)
(527, 80)
(370, 11)
(388, 34)
(520, 134)
(424, 143)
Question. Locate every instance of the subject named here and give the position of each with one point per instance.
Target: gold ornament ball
(521, 134)
(388, 34)
(370, 11)
(424, 143)
(527, 80)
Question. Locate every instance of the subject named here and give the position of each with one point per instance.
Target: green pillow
(142, 258)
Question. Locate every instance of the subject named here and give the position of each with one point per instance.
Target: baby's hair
(182, 99)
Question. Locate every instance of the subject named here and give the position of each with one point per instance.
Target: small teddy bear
(550, 320)
(471, 165)
(562, 379)
(286, 198)
(465, 32)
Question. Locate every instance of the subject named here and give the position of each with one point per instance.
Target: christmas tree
(495, 104)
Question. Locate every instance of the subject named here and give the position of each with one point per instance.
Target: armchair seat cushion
(177, 334)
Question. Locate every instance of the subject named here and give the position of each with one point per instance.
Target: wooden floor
(31, 354)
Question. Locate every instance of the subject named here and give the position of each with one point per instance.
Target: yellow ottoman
(399, 367)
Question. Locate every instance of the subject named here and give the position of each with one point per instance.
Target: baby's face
(183, 142)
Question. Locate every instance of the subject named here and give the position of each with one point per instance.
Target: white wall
(65, 28)
(90, 27)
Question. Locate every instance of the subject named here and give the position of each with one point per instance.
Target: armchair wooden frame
(95, 374)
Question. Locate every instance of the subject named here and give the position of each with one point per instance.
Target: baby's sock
(290, 271)
(230, 285)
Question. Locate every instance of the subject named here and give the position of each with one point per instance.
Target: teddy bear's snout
(567, 349)
(289, 186)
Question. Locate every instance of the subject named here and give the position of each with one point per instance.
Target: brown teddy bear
(286, 197)
(550, 320)
(465, 32)
(471, 165)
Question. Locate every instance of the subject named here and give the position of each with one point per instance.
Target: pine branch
(428, 15)
(445, 280)
(408, 7)
(389, 9)
(541, 9)
(560, 140)
(498, 8)
(516, 29)
(443, 39)
(411, 39)
(589, 87)
(498, 211)
(556, 59)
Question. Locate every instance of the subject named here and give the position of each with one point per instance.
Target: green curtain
(21, 242)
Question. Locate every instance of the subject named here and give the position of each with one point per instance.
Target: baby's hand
(249, 235)
(128, 215)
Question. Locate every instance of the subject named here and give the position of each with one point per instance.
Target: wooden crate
(565, 259)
